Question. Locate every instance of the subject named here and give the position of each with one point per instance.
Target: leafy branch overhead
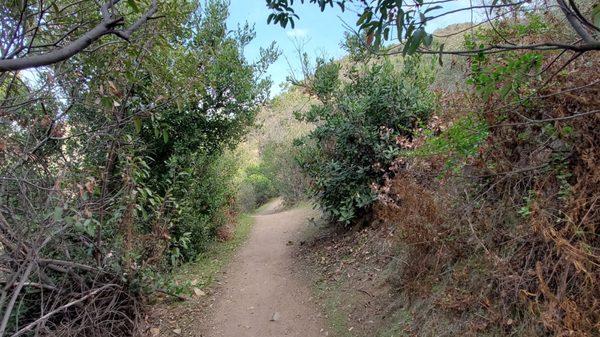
(23, 46)
(387, 20)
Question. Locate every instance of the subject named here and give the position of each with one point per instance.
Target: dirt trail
(262, 294)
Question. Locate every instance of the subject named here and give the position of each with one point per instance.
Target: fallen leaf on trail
(177, 331)
(199, 292)
(275, 317)
(154, 332)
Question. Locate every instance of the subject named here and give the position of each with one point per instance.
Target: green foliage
(205, 190)
(279, 160)
(507, 78)
(262, 184)
(255, 184)
(377, 21)
(459, 143)
(126, 153)
(207, 265)
(271, 146)
(187, 139)
(509, 73)
(531, 23)
(355, 47)
(355, 138)
(326, 80)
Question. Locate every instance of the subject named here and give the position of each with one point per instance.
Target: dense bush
(205, 191)
(510, 233)
(257, 187)
(276, 147)
(115, 167)
(279, 160)
(196, 130)
(359, 125)
(276, 175)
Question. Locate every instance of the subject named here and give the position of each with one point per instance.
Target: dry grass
(508, 246)
(513, 240)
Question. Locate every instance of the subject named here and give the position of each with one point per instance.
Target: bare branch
(38, 321)
(105, 27)
(546, 120)
(575, 22)
(126, 34)
(594, 46)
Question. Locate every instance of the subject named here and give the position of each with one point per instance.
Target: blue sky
(320, 33)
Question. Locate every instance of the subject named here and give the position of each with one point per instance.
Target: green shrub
(246, 198)
(358, 125)
(459, 143)
(256, 188)
(205, 192)
(279, 160)
(263, 187)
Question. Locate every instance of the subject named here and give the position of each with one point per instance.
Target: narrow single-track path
(262, 294)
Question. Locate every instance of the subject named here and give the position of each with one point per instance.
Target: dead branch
(40, 320)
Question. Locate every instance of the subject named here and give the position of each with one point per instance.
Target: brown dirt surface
(352, 272)
(264, 296)
(261, 293)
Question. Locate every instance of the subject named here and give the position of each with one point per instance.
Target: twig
(534, 121)
(30, 326)
(179, 297)
(366, 292)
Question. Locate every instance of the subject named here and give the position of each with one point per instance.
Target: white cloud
(297, 32)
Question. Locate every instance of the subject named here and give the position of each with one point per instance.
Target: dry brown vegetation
(506, 245)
